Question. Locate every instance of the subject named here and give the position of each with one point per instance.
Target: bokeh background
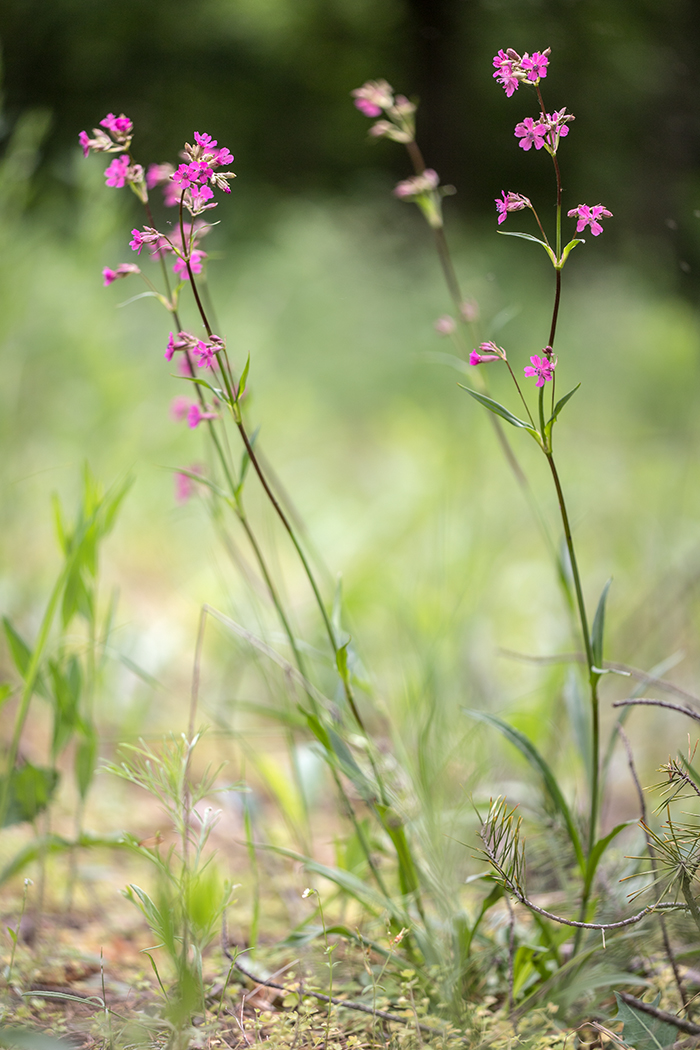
(333, 288)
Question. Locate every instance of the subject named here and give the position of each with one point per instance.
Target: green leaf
(21, 656)
(529, 237)
(598, 851)
(530, 752)
(5, 692)
(641, 1030)
(568, 249)
(557, 409)
(341, 660)
(598, 628)
(497, 409)
(219, 394)
(31, 790)
(66, 685)
(76, 596)
(243, 380)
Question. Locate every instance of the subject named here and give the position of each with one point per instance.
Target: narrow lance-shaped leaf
(557, 409)
(599, 849)
(498, 409)
(243, 380)
(598, 629)
(533, 756)
(529, 237)
(21, 656)
(568, 249)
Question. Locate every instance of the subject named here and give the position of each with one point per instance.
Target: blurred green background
(332, 287)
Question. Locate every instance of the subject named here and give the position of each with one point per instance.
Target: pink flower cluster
(589, 217)
(121, 171)
(117, 141)
(205, 352)
(160, 244)
(546, 132)
(512, 69)
(510, 202)
(194, 180)
(417, 185)
(489, 352)
(109, 276)
(542, 367)
(377, 96)
(373, 97)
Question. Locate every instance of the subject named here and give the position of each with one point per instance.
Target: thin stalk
(522, 398)
(275, 504)
(593, 678)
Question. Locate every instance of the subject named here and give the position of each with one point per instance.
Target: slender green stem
(347, 687)
(593, 677)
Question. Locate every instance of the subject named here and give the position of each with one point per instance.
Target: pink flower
(195, 416)
(199, 194)
(149, 236)
(373, 97)
(183, 341)
(206, 352)
(117, 172)
(180, 266)
(542, 368)
(508, 73)
(535, 67)
(510, 202)
(505, 75)
(123, 270)
(445, 325)
(205, 141)
(224, 156)
(530, 134)
(84, 142)
(589, 217)
(500, 60)
(179, 407)
(367, 108)
(491, 353)
(119, 127)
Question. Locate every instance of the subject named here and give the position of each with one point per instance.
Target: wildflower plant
(217, 403)
(501, 832)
